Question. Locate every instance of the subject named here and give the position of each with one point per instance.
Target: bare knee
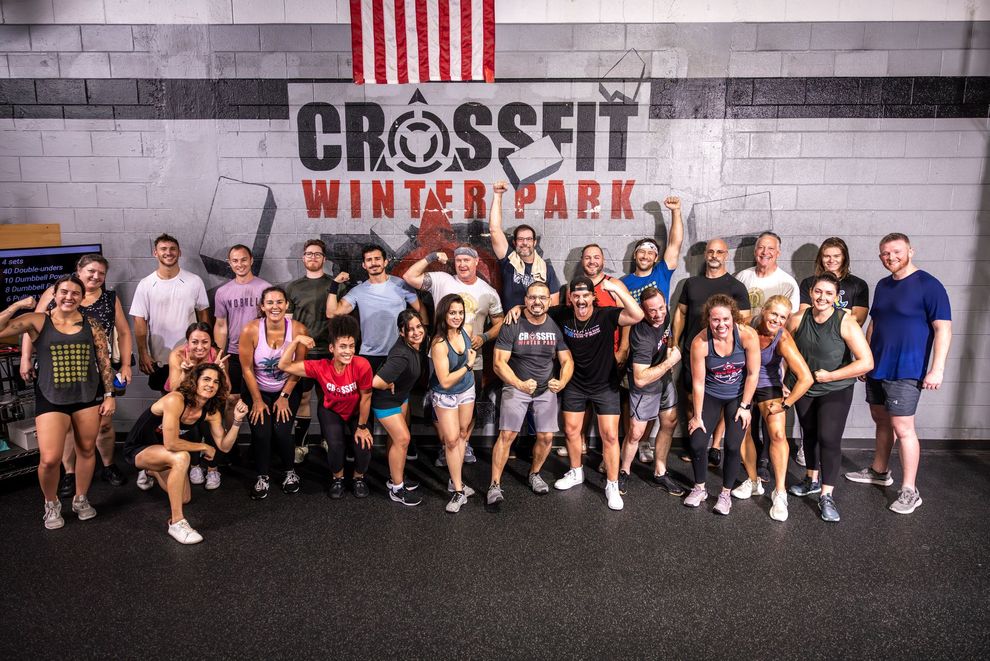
(180, 460)
(544, 439)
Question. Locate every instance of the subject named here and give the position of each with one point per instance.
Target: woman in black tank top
(165, 434)
(74, 387)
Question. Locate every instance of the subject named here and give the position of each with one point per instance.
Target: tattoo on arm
(103, 356)
(427, 281)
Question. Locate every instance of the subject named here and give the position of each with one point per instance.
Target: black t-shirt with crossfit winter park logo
(533, 348)
(592, 344)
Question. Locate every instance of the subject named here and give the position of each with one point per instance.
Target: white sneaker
(468, 491)
(197, 475)
(82, 508)
(53, 515)
(145, 481)
(300, 453)
(646, 454)
(799, 456)
(212, 480)
(184, 533)
(612, 495)
(778, 510)
(748, 489)
(572, 478)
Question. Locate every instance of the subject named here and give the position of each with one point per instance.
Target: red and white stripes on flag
(418, 41)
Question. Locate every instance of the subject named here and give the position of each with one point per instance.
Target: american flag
(417, 41)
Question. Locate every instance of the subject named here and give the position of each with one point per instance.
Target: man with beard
(648, 269)
(524, 354)
(688, 322)
(522, 266)
(481, 304)
(589, 332)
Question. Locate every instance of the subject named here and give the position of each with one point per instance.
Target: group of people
(600, 350)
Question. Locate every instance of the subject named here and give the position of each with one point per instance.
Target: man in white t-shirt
(481, 304)
(164, 305)
(766, 279)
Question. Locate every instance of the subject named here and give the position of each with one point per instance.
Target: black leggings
(271, 432)
(711, 410)
(338, 433)
(823, 420)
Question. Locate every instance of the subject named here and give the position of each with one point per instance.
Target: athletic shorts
(900, 397)
(575, 399)
(386, 413)
(443, 400)
(515, 404)
(157, 379)
(768, 393)
(43, 405)
(376, 362)
(235, 374)
(645, 406)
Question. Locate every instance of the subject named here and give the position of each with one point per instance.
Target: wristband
(432, 257)
(236, 423)
(363, 426)
(333, 288)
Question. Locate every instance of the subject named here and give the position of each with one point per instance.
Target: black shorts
(376, 362)
(157, 379)
(235, 374)
(43, 405)
(768, 393)
(574, 399)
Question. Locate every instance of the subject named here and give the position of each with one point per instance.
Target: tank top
(103, 311)
(455, 361)
(823, 349)
(270, 378)
(770, 364)
(725, 376)
(67, 370)
(210, 358)
(147, 430)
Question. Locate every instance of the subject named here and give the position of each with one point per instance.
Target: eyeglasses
(313, 255)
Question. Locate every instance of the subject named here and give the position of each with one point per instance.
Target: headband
(648, 245)
(466, 250)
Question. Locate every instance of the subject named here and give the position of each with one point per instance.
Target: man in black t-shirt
(688, 322)
(590, 335)
(524, 354)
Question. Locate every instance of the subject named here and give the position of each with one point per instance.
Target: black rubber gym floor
(558, 576)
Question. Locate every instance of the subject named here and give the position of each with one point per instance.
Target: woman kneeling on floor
(345, 380)
(165, 434)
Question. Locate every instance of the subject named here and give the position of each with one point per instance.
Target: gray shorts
(899, 397)
(515, 403)
(645, 406)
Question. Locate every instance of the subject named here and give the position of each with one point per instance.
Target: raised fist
(500, 187)
(672, 202)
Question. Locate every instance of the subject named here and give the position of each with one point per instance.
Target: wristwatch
(745, 407)
(784, 405)
(283, 395)
(363, 427)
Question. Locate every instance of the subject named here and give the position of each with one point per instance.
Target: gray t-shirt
(379, 306)
(533, 348)
(648, 346)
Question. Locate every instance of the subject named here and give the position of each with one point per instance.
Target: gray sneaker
(724, 504)
(456, 502)
(908, 500)
(494, 497)
(82, 508)
(469, 457)
(826, 505)
(468, 491)
(698, 495)
(805, 487)
(799, 457)
(53, 515)
(537, 484)
(870, 476)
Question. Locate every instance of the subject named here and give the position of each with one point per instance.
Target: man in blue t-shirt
(521, 267)
(648, 269)
(910, 318)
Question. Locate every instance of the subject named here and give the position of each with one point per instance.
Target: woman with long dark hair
(74, 386)
(452, 391)
(161, 440)
(103, 306)
(272, 392)
(390, 401)
(853, 292)
(832, 343)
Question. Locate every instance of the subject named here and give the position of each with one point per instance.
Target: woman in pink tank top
(271, 393)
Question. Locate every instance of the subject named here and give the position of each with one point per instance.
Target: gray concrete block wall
(122, 181)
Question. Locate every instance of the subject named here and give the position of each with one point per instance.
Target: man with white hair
(481, 304)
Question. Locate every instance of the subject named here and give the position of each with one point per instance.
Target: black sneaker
(360, 488)
(623, 482)
(763, 470)
(714, 456)
(67, 485)
(260, 490)
(668, 484)
(412, 454)
(405, 497)
(805, 488)
(336, 488)
(291, 482)
(113, 475)
(410, 485)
